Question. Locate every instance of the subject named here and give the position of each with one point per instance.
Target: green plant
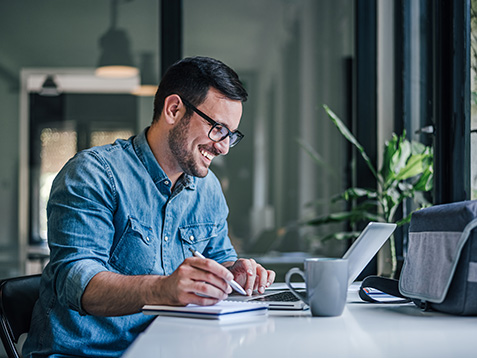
(406, 172)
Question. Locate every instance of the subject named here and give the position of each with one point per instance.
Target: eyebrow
(205, 116)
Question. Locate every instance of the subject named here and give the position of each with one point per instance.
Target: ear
(173, 109)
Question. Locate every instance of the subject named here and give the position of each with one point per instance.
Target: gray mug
(326, 282)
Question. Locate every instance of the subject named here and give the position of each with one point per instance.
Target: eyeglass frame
(239, 135)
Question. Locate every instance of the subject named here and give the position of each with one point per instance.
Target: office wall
(53, 34)
(9, 136)
(289, 77)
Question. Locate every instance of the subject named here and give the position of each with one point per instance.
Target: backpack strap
(381, 290)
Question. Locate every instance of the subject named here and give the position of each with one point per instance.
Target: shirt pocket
(197, 237)
(135, 253)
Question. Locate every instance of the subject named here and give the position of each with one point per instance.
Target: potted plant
(406, 173)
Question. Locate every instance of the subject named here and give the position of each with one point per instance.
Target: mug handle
(293, 271)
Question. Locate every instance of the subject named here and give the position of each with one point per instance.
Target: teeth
(207, 155)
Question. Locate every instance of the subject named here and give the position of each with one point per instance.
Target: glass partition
(62, 39)
(293, 57)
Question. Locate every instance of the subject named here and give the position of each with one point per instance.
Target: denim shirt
(111, 208)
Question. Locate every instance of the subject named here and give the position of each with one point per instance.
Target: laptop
(359, 255)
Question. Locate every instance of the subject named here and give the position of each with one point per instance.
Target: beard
(183, 156)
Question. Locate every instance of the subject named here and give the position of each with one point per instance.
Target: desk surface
(364, 330)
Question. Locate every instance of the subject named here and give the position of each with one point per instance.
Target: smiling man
(122, 218)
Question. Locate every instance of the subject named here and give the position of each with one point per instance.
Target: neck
(157, 140)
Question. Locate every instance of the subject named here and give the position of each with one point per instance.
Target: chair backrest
(17, 298)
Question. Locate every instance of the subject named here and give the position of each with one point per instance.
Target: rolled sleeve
(76, 281)
(80, 229)
(220, 249)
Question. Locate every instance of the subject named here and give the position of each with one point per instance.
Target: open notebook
(359, 255)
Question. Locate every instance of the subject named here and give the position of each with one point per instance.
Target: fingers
(257, 277)
(205, 282)
(210, 271)
(202, 281)
(250, 267)
(264, 278)
(271, 277)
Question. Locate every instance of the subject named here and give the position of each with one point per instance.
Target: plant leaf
(413, 167)
(405, 220)
(342, 235)
(390, 147)
(398, 159)
(353, 216)
(316, 157)
(349, 136)
(355, 193)
(425, 182)
(418, 148)
(401, 156)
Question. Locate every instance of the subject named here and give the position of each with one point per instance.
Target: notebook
(223, 310)
(359, 255)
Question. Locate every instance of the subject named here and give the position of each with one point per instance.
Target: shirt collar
(144, 153)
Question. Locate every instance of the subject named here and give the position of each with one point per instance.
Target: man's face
(189, 142)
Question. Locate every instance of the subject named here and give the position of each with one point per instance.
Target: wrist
(154, 292)
(228, 264)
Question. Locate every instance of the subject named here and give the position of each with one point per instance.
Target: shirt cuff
(78, 278)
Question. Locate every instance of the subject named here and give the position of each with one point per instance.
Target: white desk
(364, 330)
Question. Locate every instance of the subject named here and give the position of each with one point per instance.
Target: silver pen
(232, 283)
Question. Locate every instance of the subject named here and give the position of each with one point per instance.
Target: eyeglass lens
(219, 132)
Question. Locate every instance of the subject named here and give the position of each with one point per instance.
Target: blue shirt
(111, 208)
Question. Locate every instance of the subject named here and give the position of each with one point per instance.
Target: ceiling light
(116, 58)
(49, 87)
(148, 86)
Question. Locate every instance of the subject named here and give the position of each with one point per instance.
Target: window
(293, 57)
(57, 146)
(59, 127)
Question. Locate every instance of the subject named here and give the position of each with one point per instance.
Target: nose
(222, 147)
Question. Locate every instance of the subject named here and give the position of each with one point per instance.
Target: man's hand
(250, 275)
(112, 294)
(196, 280)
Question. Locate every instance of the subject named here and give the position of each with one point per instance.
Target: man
(122, 217)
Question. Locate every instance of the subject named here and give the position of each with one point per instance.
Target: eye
(219, 131)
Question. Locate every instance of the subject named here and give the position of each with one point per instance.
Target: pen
(232, 283)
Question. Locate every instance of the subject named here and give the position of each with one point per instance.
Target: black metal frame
(452, 101)
(170, 33)
(235, 136)
(365, 125)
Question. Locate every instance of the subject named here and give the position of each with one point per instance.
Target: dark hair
(192, 77)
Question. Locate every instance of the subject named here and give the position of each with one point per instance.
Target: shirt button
(148, 239)
(166, 182)
(166, 238)
(191, 238)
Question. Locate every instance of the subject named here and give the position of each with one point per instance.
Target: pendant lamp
(49, 87)
(148, 86)
(116, 59)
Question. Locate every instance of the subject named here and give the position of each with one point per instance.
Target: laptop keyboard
(284, 296)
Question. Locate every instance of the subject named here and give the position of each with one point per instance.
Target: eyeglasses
(219, 131)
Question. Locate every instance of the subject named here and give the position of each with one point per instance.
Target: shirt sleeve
(80, 226)
(220, 248)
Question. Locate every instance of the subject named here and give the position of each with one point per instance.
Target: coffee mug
(326, 282)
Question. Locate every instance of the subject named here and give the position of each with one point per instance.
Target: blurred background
(376, 64)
